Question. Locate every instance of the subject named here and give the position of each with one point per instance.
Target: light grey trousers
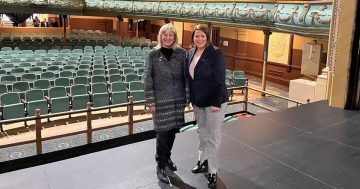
(209, 134)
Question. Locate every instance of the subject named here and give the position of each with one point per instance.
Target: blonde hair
(163, 30)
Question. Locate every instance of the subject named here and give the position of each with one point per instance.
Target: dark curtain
(353, 93)
(18, 18)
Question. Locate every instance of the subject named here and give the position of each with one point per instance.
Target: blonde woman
(165, 95)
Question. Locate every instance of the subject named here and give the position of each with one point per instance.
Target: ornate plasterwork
(69, 4)
(334, 35)
(303, 13)
(270, 15)
(15, 2)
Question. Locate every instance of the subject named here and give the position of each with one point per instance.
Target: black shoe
(200, 167)
(212, 181)
(161, 175)
(171, 165)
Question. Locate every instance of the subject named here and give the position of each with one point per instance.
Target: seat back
(30, 77)
(55, 92)
(114, 71)
(136, 85)
(12, 107)
(35, 69)
(114, 78)
(47, 75)
(8, 79)
(67, 74)
(78, 90)
(42, 84)
(62, 81)
(81, 80)
(98, 79)
(118, 86)
(131, 77)
(34, 95)
(3, 88)
(99, 88)
(35, 100)
(98, 72)
(9, 98)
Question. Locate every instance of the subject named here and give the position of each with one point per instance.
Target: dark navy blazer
(208, 87)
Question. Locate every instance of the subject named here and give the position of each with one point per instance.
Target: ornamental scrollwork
(65, 3)
(270, 14)
(193, 11)
(261, 15)
(210, 13)
(289, 16)
(241, 13)
(323, 7)
(274, 10)
(317, 16)
(304, 12)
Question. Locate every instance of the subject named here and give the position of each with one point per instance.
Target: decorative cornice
(334, 35)
(314, 17)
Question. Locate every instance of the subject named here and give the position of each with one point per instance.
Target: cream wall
(158, 22)
(188, 26)
(179, 30)
(257, 36)
(251, 36)
(340, 52)
(299, 42)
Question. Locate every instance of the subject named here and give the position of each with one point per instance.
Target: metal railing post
(38, 132)
(88, 121)
(130, 116)
(246, 96)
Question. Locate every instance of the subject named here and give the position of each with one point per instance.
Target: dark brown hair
(203, 29)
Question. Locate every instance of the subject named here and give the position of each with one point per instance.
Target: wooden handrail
(130, 110)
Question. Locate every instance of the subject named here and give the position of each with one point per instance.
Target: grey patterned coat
(165, 88)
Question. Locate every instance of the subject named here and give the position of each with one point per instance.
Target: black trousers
(164, 143)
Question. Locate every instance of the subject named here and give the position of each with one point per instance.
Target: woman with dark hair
(205, 72)
(165, 95)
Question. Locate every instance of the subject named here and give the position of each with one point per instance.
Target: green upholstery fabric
(136, 85)
(11, 106)
(119, 94)
(100, 95)
(59, 102)
(80, 97)
(35, 100)
(137, 95)
(98, 79)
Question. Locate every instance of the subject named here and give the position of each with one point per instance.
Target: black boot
(161, 175)
(212, 181)
(200, 167)
(171, 165)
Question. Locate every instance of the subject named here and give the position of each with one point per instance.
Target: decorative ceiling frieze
(299, 17)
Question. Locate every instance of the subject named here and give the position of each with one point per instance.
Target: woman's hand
(151, 109)
(214, 109)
